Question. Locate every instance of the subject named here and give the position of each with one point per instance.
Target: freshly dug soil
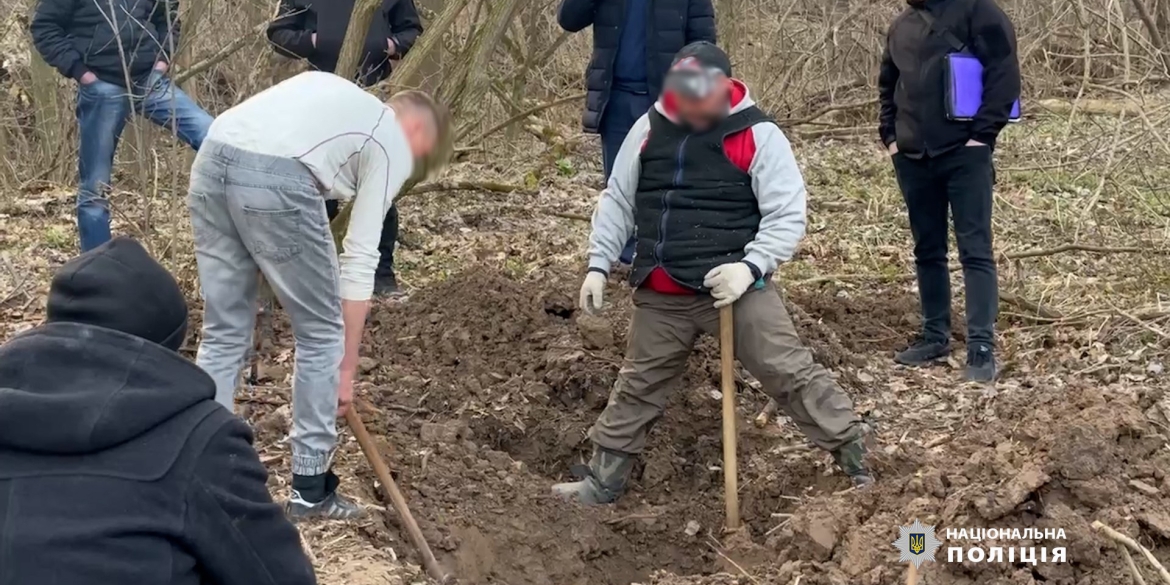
(485, 386)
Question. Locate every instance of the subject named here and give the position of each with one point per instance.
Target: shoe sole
(929, 362)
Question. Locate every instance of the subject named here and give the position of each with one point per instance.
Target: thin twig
(525, 114)
(1116, 536)
(227, 51)
(825, 110)
(575, 216)
(1133, 570)
(733, 563)
(1083, 248)
(1141, 323)
(488, 186)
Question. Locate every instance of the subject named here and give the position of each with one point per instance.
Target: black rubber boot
(850, 457)
(604, 481)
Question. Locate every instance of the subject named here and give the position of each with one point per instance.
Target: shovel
(727, 373)
(396, 498)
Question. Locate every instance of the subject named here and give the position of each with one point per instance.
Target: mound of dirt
(486, 385)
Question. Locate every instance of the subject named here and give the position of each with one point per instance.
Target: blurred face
(701, 114)
(421, 133)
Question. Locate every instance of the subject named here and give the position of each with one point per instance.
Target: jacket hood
(71, 388)
(741, 99)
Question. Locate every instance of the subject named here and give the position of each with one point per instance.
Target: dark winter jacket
(77, 36)
(118, 467)
(293, 29)
(671, 25)
(912, 81)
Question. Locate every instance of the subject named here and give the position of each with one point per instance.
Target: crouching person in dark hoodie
(117, 465)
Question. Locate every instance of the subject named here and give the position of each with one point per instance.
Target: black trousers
(385, 269)
(960, 180)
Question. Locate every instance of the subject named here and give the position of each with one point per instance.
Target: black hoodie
(117, 466)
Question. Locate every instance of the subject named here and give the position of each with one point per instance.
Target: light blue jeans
(255, 214)
(102, 111)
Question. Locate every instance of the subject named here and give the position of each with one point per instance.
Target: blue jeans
(622, 110)
(102, 110)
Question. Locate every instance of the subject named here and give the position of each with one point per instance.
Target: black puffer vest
(695, 209)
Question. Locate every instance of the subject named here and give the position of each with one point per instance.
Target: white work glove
(728, 282)
(592, 292)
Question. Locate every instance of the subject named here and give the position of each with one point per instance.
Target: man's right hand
(344, 393)
(893, 148)
(313, 39)
(87, 78)
(592, 292)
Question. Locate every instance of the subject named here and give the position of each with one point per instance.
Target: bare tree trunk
(193, 11)
(427, 47)
(355, 38)
(470, 78)
(432, 61)
(1162, 11)
(1156, 37)
(51, 118)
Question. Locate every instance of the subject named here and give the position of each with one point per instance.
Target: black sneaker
(387, 288)
(980, 363)
(922, 352)
(334, 507)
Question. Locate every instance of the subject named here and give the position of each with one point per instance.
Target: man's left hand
(728, 282)
(391, 48)
(161, 67)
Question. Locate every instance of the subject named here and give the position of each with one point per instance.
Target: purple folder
(965, 88)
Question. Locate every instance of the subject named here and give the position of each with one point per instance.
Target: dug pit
(482, 389)
(487, 387)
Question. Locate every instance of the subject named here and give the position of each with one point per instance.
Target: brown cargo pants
(662, 335)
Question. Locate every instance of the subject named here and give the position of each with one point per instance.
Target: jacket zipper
(678, 176)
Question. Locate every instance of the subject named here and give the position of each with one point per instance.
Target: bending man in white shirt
(258, 191)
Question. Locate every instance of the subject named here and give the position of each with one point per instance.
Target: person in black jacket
(314, 30)
(116, 463)
(943, 163)
(634, 42)
(120, 60)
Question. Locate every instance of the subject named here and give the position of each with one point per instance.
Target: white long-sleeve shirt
(349, 140)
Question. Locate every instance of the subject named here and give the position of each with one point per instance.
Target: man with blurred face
(258, 192)
(712, 187)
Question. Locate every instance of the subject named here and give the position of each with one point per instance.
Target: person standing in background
(314, 30)
(634, 42)
(942, 162)
(120, 60)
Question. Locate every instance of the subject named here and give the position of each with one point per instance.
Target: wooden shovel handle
(399, 502)
(727, 374)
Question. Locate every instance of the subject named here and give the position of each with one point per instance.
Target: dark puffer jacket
(671, 25)
(78, 37)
